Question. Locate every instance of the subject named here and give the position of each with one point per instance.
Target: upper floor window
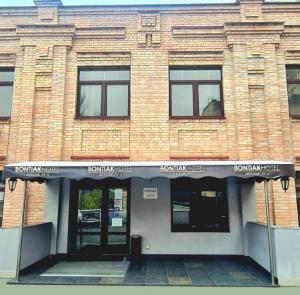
(293, 85)
(196, 92)
(103, 93)
(2, 189)
(6, 92)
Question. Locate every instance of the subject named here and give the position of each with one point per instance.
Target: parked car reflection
(89, 218)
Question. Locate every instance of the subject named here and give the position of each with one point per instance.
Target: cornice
(46, 30)
(8, 33)
(198, 31)
(48, 3)
(291, 31)
(256, 28)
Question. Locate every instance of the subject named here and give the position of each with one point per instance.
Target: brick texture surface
(252, 41)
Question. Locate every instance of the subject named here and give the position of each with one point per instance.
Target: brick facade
(253, 42)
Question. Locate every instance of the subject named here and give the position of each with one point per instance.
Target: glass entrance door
(89, 221)
(117, 217)
(102, 218)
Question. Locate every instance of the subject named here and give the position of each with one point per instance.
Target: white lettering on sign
(182, 168)
(36, 169)
(110, 170)
(150, 193)
(256, 169)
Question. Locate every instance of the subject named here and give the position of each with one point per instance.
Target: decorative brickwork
(252, 41)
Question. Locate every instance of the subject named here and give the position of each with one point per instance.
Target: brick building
(105, 83)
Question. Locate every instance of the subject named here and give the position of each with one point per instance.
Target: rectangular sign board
(150, 193)
(116, 222)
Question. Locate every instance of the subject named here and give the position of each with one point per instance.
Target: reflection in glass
(294, 99)
(209, 100)
(199, 206)
(182, 100)
(117, 100)
(89, 217)
(6, 93)
(293, 74)
(90, 100)
(117, 216)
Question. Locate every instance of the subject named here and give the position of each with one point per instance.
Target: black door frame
(105, 184)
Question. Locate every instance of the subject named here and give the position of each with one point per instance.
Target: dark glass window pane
(195, 75)
(6, 93)
(182, 206)
(6, 76)
(89, 217)
(90, 100)
(182, 100)
(294, 99)
(298, 179)
(2, 180)
(199, 206)
(117, 100)
(293, 74)
(1, 210)
(209, 100)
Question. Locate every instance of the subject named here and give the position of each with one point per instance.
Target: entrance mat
(88, 269)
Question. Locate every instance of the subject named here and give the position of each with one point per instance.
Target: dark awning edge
(41, 171)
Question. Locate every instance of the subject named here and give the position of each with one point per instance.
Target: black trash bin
(136, 248)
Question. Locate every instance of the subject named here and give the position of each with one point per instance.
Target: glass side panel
(195, 75)
(6, 93)
(90, 100)
(209, 100)
(294, 99)
(89, 217)
(182, 100)
(117, 100)
(117, 216)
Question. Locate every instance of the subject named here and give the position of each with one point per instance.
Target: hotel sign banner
(41, 171)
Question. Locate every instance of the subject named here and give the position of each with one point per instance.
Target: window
(293, 85)
(199, 205)
(196, 92)
(298, 194)
(103, 93)
(6, 92)
(2, 189)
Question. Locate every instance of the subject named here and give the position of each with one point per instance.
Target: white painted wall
(35, 246)
(56, 210)
(287, 251)
(152, 220)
